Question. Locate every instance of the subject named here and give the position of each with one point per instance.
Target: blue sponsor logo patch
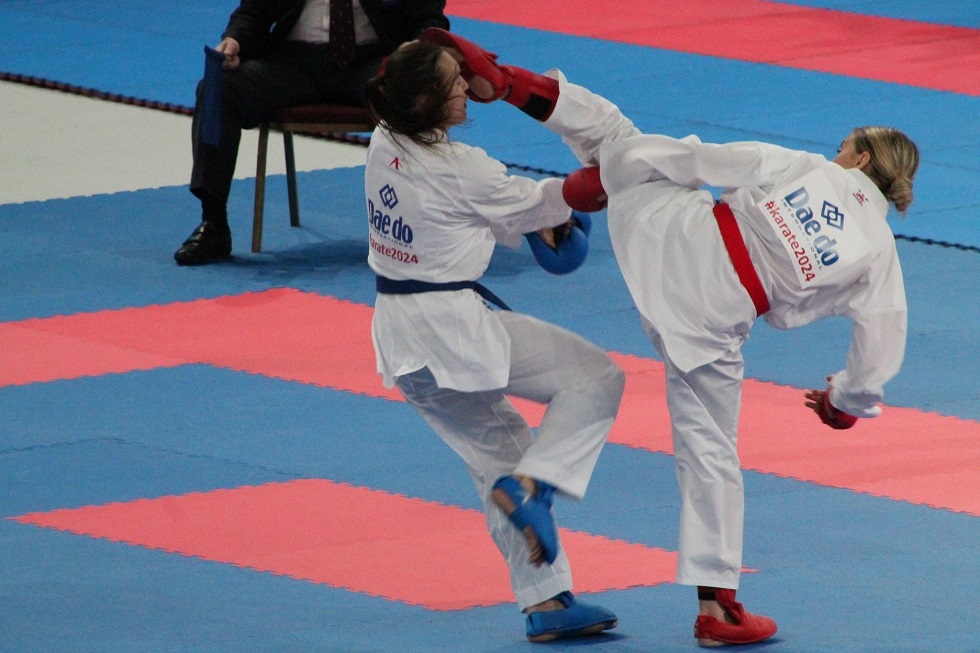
(388, 197)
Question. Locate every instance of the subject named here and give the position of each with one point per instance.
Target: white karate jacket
(435, 214)
(674, 261)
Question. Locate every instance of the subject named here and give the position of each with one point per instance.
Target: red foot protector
(747, 629)
(475, 62)
(381, 544)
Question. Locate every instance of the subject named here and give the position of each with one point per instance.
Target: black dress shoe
(210, 242)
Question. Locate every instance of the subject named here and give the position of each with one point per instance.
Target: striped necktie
(342, 41)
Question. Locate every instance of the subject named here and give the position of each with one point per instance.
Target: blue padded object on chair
(211, 101)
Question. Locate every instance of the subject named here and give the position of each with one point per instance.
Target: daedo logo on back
(823, 244)
(397, 229)
(805, 216)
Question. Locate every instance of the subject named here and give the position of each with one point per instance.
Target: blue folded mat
(211, 101)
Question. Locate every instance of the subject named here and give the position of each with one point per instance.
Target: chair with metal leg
(301, 119)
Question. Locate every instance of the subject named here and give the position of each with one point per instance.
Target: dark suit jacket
(261, 25)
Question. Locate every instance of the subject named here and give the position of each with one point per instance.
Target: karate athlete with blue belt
(436, 210)
(796, 238)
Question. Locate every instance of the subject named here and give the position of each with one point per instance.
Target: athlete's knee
(610, 377)
(619, 379)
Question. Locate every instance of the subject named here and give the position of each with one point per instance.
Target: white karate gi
(435, 214)
(695, 310)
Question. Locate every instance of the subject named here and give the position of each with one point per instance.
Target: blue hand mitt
(569, 253)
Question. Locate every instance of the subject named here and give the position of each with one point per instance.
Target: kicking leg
(532, 93)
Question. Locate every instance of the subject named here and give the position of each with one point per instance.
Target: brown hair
(894, 162)
(408, 95)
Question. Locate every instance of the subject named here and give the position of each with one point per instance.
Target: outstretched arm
(877, 347)
(689, 162)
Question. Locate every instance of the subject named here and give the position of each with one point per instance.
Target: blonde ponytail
(900, 193)
(894, 162)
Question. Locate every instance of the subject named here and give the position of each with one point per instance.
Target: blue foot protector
(576, 620)
(531, 511)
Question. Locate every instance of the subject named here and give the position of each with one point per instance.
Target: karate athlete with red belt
(436, 210)
(796, 238)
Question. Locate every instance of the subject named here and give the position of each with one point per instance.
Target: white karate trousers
(704, 407)
(704, 403)
(582, 388)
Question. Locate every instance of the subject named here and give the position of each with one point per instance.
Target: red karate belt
(732, 236)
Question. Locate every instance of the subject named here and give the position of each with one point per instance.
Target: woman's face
(849, 157)
(456, 103)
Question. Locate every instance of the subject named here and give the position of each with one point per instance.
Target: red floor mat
(868, 47)
(905, 454)
(355, 538)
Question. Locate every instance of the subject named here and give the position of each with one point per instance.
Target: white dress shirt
(313, 25)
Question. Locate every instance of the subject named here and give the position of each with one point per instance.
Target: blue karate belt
(387, 286)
